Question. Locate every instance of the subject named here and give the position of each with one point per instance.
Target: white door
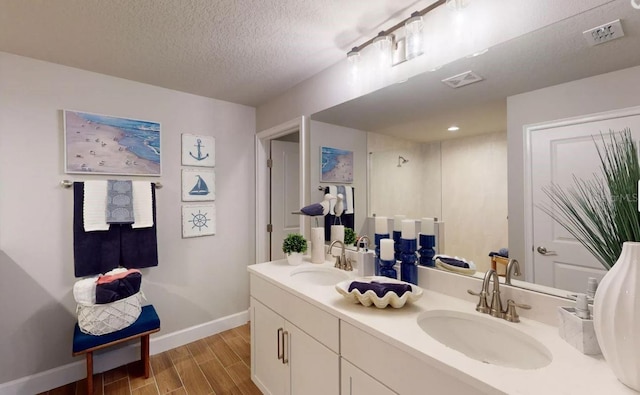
(285, 193)
(557, 154)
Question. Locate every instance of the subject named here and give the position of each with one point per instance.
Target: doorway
(559, 151)
(280, 158)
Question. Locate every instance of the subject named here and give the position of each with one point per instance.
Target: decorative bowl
(453, 268)
(369, 297)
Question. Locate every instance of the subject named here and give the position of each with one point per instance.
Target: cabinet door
(314, 368)
(270, 374)
(357, 382)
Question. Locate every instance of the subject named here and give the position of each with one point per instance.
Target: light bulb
(413, 29)
(384, 45)
(458, 5)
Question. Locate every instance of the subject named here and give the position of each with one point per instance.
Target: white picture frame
(198, 185)
(198, 220)
(198, 150)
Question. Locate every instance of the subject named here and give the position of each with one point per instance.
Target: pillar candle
(386, 250)
(337, 232)
(427, 226)
(317, 245)
(382, 225)
(397, 222)
(408, 229)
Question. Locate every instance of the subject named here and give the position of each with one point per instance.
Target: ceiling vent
(466, 78)
(602, 34)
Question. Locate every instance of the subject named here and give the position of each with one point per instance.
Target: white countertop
(570, 372)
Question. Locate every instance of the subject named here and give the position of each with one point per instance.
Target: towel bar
(68, 184)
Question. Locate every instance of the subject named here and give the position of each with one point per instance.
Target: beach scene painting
(198, 150)
(198, 185)
(336, 165)
(199, 220)
(102, 144)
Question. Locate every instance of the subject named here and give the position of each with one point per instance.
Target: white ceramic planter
(616, 316)
(294, 258)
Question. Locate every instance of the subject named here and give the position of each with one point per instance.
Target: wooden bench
(145, 325)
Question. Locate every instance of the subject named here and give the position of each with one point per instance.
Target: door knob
(543, 251)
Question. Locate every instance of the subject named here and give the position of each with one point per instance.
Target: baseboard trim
(107, 360)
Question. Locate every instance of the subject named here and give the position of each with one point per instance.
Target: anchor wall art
(198, 220)
(198, 150)
(198, 185)
(103, 144)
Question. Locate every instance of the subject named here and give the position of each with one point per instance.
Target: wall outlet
(602, 34)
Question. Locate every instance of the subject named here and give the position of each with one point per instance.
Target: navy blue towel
(118, 289)
(379, 288)
(100, 251)
(348, 220)
(453, 262)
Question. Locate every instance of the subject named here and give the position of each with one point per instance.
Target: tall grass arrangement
(602, 213)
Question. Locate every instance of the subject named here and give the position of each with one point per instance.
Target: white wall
(327, 135)
(601, 93)
(198, 280)
(474, 196)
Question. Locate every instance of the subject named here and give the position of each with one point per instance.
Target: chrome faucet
(342, 262)
(513, 269)
(495, 308)
(496, 303)
(366, 243)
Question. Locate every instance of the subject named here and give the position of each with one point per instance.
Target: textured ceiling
(422, 108)
(243, 51)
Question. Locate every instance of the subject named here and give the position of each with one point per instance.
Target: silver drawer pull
(280, 350)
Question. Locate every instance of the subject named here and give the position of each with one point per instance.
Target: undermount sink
(318, 275)
(485, 339)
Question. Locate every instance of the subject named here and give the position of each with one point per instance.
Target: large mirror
(475, 179)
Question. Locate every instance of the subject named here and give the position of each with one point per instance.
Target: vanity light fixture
(453, 129)
(414, 22)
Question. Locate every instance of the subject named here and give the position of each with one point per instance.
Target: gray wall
(198, 280)
(601, 93)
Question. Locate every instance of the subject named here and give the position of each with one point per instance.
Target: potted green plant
(602, 214)
(349, 236)
(294, 246)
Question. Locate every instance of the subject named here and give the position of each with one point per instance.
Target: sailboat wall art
(198, 185)
(198, 150)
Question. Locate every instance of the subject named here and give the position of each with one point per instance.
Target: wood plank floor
(219, 364)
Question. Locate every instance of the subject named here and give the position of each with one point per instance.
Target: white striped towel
(84, 291)
(94, 206)
(347, 200)
(142, 205)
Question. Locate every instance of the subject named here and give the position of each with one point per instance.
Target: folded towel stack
(379, 288)
(97, 195)
(115, 285)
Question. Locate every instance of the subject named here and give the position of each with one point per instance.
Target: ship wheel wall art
(198, 220)
(198, 185)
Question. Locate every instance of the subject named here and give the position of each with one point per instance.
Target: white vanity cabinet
(354, 381)
(294, 344)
